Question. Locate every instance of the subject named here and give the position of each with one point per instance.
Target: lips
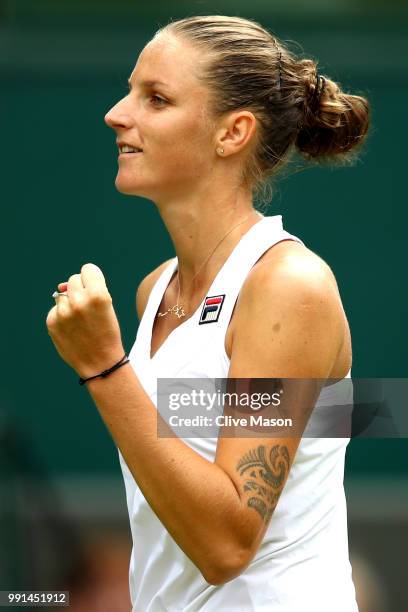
(127, 148)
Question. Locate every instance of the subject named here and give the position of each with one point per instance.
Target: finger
(93, 278)
(62, 305)
(68, 294)
(75, 284)
(75, 292)
(51, 319)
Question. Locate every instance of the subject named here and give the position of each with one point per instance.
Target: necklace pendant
(178, 311)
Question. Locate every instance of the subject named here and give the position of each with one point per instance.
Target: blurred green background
(63, 65)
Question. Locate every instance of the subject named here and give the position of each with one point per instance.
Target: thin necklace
(178, 310)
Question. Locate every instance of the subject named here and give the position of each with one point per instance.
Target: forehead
(169, 60)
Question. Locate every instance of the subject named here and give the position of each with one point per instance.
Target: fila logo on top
(211, 309)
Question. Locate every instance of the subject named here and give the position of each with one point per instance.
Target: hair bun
(333, 122)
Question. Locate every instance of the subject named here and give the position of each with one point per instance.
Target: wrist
(101, 365)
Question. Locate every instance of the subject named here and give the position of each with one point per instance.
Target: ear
(236, 131)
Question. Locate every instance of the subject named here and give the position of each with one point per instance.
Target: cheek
(188, 152)
(178, 150)
(180, 130)
(186, 148)
(187, 162)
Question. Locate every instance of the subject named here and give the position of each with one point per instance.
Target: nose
(117, 116)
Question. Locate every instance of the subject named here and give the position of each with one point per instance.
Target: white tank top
(302, 562)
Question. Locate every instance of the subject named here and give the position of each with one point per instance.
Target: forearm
(195, 499)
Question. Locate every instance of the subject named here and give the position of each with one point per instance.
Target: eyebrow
(147, 84)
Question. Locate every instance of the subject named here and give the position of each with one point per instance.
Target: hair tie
(317, 93)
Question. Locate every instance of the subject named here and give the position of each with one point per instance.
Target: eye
(157, 100)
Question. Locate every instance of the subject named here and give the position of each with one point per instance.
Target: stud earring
(220, 150)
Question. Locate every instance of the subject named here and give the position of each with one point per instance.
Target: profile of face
(166, 116)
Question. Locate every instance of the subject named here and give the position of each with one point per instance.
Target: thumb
(92, 276)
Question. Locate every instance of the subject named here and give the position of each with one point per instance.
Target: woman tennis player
(216, 105)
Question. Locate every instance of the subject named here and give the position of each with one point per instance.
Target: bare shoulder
(145, 287)
(291, 303)
(290, 268)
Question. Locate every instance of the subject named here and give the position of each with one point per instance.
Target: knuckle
(76, 309)
(50, 320)
(76, 303)
(64, 314)
(99, 298)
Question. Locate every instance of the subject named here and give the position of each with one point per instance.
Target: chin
(126, 186)
(129, 188)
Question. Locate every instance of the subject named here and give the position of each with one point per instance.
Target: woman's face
(165, 114)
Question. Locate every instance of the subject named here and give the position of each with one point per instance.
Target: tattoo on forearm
(265, 477)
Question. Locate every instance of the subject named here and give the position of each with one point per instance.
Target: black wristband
(105, 373)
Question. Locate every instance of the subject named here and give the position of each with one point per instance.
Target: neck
(197, 224)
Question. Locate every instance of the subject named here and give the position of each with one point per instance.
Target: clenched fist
(83, 324)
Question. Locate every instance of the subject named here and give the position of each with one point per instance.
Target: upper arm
(289, 324)
(145, 287)
(289, 320)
